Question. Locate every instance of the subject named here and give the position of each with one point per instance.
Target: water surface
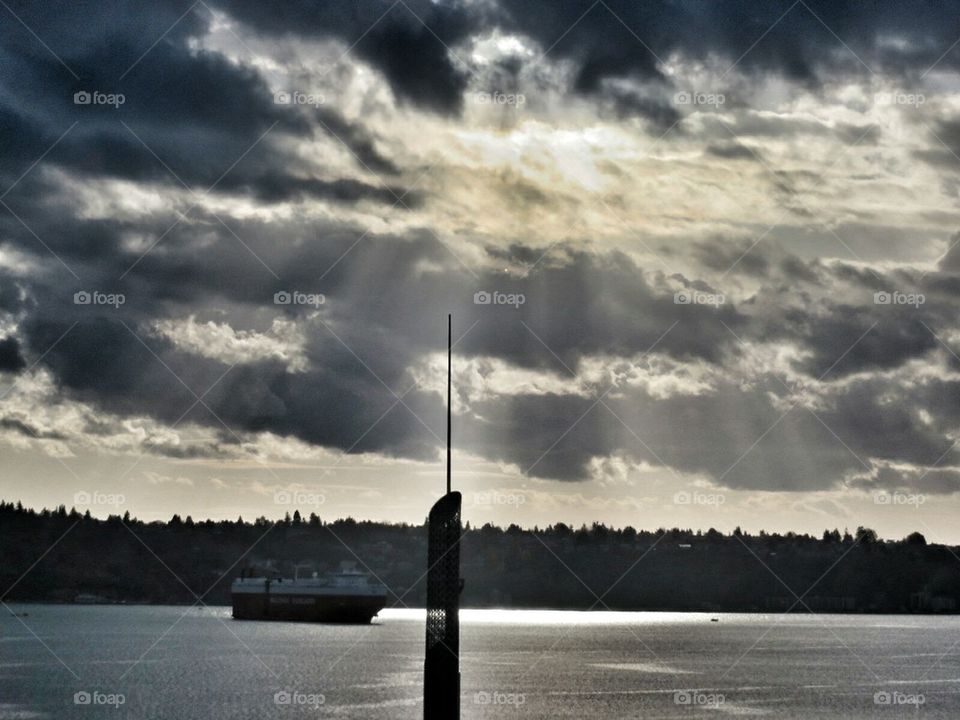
(198, 663)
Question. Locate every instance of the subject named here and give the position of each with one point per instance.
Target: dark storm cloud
(881, 421)
(950, 262)
(711, 434)
(733, 151)
(103, 363)
(110, 358)
(889, 340)
(823, 308)
(418, 46)
(359, 140)
(11, 360)
(799, 46)
(898, 334)
(754, 124)
(192, 451)
(29, 431)
(408, 42)
(549, 449)
(387, 294)
(385, 302)
(731, 434)
(627, 103)
(944, 139)
(725, 256)
(796, 270)
(379, 303)
(279, 187)
(932, 481)
(188, 116)
(627, 318)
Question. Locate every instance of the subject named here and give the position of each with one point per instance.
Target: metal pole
(441, 668)
(449, 363)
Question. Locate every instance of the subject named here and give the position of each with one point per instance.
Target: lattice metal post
(441, 671)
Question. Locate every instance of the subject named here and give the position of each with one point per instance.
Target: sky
(701, 257)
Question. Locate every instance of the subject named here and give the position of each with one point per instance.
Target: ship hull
(359, 609)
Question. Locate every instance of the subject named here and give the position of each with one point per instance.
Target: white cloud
(284, 341)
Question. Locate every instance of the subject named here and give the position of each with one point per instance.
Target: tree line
(62, 555)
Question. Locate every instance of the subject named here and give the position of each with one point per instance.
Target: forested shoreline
(62, 555)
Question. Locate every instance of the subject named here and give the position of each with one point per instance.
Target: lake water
(174, 662)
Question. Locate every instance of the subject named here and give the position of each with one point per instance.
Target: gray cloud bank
(864, 394)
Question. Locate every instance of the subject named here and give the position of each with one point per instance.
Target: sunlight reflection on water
(198, 664)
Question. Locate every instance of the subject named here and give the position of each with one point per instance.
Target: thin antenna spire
(441, 664)
(449, 360)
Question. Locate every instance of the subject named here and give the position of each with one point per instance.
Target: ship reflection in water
(347, 596)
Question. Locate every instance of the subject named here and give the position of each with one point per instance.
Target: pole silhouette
(441, 668)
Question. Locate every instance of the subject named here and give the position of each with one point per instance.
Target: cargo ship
(347, 596)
